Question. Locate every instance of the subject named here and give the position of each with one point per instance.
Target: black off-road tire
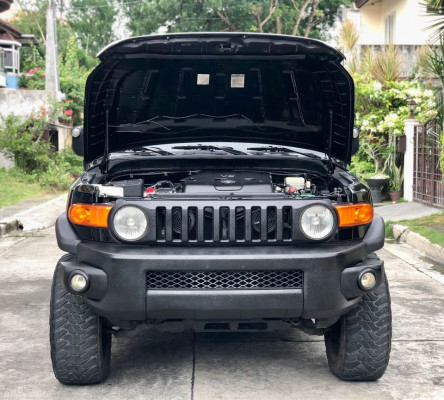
(358, 345)
(80, 342)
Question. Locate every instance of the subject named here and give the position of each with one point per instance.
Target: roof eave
(9, 28)
(5, 5)
(360, 3)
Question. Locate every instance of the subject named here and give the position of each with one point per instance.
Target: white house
(400, 22)
(11, 42)
(403, 23)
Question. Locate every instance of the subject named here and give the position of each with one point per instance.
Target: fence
(427, 175)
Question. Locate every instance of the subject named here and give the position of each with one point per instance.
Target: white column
(61, 133)
(409, 157)
(52, 84)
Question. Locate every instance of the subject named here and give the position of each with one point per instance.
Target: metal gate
(427, 175)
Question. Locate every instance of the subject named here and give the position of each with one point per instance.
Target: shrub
(24, 140)
(70, 161)
(348, 34)
(55, 176)
(380, 114)
(35, 159)
(361, 168)
(386, 65)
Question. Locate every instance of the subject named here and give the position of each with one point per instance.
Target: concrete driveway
(285, 365)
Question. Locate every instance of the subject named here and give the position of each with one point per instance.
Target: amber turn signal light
(95, 215)
(354, 214)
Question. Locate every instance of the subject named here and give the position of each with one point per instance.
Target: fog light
(367, 280)
(78, 282)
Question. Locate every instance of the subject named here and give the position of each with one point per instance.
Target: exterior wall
(410, 22)
(371, 29)
(21, 102)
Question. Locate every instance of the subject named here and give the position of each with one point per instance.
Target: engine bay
(220, 183)
(219, 205)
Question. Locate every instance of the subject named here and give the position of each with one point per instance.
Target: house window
(8, 59)
(12, 59)
(390, 29)
(2, 60)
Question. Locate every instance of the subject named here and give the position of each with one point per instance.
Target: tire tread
(365, 341)
(76, 337)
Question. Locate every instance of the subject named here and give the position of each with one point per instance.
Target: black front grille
(224, 224)
(224, 279)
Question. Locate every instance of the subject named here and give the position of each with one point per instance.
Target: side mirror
(77, 140)
(355, 141)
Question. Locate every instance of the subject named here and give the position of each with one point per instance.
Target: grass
(423, 226)
(14, 190)
(389, 230)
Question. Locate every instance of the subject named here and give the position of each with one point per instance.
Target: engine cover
(228, 181)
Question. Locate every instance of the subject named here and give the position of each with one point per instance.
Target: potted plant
(396, 183)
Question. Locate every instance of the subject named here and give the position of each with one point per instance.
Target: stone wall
(21, 102)
(409, 55)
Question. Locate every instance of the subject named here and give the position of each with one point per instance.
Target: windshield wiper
(154, 120)
(150, 149)
(276, 149)
(203, 147)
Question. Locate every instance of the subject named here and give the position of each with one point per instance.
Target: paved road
(409, 210)
(285, 365)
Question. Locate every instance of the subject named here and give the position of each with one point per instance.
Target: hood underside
(260, 88)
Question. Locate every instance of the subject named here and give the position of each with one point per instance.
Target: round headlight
(130, 223)
(317, 222)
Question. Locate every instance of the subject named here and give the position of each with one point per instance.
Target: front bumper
(118, 285)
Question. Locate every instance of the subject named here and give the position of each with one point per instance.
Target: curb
(34, 218)
(403, 234)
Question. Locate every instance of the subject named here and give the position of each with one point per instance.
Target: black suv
(216, 197)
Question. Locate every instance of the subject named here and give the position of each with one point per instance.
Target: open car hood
(226, 87)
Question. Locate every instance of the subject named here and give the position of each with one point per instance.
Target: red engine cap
(149, 191)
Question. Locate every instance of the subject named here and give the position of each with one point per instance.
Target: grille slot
(224, 280)
(224, 224)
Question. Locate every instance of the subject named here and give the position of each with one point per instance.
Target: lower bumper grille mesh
(224, 279)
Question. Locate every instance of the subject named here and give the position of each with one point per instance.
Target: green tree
(32, 19)
(73, 78)
(435, 8)
(92, 26)
(293, 17)
(92, 20)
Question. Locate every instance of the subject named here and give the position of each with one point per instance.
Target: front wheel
(358, 345)
(80, 342)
